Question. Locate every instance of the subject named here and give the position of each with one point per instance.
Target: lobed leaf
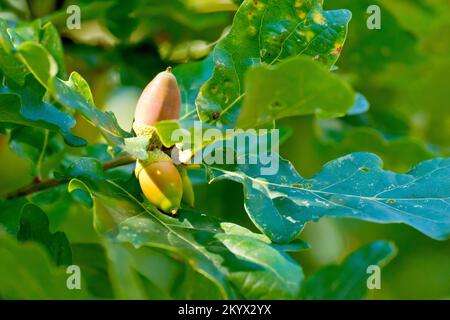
(297, 86)
(31, 262)
(266, 32)
(37, 49)
(34, 226)
(24, 105)
(354, 186)
(227, 256)
(348, 281)
(75, 94)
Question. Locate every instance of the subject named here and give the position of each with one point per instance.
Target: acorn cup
(163, 184)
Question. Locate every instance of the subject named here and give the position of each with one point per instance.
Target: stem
(51, 183)
(42, 155)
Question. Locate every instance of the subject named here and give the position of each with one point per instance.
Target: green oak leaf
(190, 78)
(28, 31)
(137, 147)
(31, 262)
(34, 226)
(28, 143)
(36, 144)
(348, 281)
(9, 64)
(25, 105)
(75, 94)
(91, 258)
(296, 86)
(34, 44)
(150, 273)
(248, 262)
(12, 68)
(10, 217)
(40, 51)
(370, 51)
(266, 32)
(86, 168)
(164, 130)
(39, 61)
(51, 40)
(221, 253)
(354, 186)
(105, 219)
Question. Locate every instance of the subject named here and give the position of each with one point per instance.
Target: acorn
(160, 100)
(160, 180)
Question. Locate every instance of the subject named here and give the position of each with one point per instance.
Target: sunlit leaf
(25, 106)
(354, 186)
(74, 93)
(268, 31)
(297, 86)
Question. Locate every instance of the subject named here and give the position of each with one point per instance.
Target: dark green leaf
(10, 214)
(31, 262)
(150, 273)
(348, 281)
(34, 226)
(35, 144)
(92, 260)
(84, 168)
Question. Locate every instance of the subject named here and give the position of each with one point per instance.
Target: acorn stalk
(188, 190)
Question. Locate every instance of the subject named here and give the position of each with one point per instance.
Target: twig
(51, 183)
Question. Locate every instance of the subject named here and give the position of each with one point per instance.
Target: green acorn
(163, 184)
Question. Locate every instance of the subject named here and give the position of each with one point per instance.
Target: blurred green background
(402, 70)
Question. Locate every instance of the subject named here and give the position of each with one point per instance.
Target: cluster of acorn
(163, 184)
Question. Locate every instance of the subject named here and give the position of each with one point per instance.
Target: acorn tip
(169, 69)
(174, 212)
